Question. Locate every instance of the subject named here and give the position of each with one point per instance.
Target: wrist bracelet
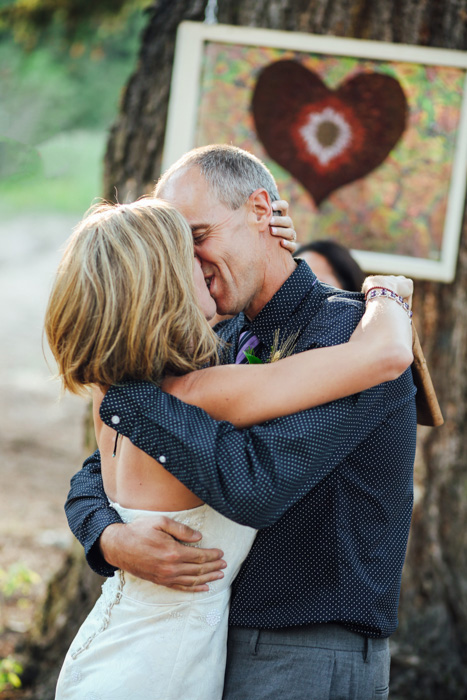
(375, 287)
(376, 292)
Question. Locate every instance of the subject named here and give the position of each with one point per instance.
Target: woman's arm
(379, 350)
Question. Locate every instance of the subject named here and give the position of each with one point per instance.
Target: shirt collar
(291, 307)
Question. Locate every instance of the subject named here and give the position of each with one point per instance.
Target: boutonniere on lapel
(278, 351)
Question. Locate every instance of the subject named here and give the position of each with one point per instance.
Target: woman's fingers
(285, 231)
(405, 288)
(291, 246)
(282, 226)
(280, 205)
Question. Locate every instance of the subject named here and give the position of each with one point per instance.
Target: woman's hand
(402, 286)
(385, 328)
(282, 226)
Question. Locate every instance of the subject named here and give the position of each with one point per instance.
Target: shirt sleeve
(251, 476)
(89, 512)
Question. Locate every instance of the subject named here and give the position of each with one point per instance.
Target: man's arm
(247, 475)
(89, 512)
(251, 476)
(153, 548)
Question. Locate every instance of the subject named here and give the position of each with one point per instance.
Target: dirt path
(40, 436)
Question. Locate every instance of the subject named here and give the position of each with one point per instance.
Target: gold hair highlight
(123, 303)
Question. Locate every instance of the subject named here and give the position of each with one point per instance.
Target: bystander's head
(333, 264)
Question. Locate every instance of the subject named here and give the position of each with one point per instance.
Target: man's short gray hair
(231, 173)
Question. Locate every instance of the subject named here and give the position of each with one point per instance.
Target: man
(330, 488)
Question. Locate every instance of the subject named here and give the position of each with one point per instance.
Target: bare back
(132, 478)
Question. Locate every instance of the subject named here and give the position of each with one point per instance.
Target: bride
(130, 302)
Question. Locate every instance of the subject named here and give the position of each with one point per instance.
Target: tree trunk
(430, 647)
(70, 595)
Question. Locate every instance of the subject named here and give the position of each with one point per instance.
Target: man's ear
(260, 208)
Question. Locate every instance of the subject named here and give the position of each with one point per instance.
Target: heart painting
(327, 138)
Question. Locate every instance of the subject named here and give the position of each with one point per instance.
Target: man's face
(226, 241)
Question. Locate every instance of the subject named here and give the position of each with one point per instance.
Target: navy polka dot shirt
(330, 488)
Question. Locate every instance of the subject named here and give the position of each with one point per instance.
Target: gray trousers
(317, 662)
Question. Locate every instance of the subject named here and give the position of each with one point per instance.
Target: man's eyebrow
(197, 227)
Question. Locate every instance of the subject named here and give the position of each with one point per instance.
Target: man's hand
(151, 548)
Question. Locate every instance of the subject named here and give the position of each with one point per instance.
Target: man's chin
(223, 309)
(227, 306)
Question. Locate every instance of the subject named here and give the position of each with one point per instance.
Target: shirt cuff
(92, 549)
(97, 562)
(119, 410)
(153, 420)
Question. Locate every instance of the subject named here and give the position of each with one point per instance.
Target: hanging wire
(210, 14)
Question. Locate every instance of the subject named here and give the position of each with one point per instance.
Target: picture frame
(403, 216)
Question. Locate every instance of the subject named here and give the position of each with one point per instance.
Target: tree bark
(71, 593)
(430, 647)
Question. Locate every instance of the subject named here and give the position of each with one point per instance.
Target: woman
(130, 301)
(333, 264)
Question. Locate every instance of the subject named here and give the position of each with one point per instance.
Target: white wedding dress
(142, 641)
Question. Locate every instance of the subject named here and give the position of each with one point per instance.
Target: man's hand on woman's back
(154, 549)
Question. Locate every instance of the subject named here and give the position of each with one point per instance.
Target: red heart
(327, 138)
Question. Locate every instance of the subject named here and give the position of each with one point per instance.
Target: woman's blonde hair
(123, 303)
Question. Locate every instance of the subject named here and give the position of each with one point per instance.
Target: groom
(329, 488)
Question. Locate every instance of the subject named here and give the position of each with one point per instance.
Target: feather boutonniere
(278, 351)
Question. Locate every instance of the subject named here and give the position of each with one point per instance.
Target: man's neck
(276, 274)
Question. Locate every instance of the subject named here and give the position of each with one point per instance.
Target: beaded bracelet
(375, 292)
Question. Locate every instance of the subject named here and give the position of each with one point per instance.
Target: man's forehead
(189, 192)
(181, 183)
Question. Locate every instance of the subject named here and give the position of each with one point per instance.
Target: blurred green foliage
(65, 83)
(68, 181)
(9, 673)
(32, 22)
(63, 67)
(15, 583)
(17, 580)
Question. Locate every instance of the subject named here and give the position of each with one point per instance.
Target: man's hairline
(192, 166)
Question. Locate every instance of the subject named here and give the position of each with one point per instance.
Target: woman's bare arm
(379, 350)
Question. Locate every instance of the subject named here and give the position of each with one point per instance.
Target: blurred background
(84, 87)
(63, 67)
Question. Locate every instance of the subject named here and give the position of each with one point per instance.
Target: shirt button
(162, 459)
(115, 420)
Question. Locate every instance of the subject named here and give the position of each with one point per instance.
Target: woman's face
(205, 300)
(321, 267)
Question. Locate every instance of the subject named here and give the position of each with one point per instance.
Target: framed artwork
(367, 140)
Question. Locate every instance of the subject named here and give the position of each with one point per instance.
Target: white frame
(183, 113)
